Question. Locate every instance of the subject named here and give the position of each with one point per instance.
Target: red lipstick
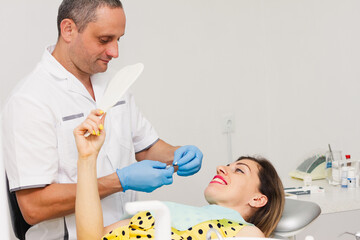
(219, 179)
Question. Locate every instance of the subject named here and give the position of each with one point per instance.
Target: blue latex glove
(145, 176)
(189, 159)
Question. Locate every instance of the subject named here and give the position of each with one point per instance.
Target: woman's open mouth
(219, 179)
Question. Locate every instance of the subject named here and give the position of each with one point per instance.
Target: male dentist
(38, 121)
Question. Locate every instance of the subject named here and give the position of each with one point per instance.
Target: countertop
(334, 199)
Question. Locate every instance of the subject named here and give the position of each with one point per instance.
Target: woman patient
(246, 199)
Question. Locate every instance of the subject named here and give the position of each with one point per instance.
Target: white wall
(4, 223)
(287, 70)
(25, 30)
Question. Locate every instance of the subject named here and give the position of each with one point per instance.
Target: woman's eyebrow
(240, 163)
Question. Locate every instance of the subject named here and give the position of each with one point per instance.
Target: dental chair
(19, 225)
(296, 216)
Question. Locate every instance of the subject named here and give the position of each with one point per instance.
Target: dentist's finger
(187, 157)
(169, 172)
(168, 176)
(168, 181)
(188, 173)
(158, 165)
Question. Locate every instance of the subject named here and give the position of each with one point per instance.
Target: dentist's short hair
(82, 11)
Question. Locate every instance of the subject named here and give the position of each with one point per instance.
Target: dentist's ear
(68, 28)
(258, 201)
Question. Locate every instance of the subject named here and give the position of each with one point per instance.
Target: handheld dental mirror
(118, 86)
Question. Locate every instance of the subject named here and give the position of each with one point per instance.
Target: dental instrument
(118, 85)
(356, 235)
(332, 155)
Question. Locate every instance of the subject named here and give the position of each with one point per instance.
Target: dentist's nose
(113, 50)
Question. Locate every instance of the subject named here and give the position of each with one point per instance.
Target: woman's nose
(221, 170)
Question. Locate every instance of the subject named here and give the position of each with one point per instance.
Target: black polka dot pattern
(142, 226)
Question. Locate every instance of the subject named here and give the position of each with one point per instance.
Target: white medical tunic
(39, 146)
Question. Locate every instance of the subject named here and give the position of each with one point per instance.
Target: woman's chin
(210, 194)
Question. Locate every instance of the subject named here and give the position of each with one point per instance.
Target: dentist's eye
(104, 40)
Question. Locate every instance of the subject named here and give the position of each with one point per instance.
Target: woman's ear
(68, 29)
(258, 201)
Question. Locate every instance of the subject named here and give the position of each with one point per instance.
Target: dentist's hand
(189, 159)
(145, 176)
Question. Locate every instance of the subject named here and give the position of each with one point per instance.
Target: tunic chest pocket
(66, 143)
(119, 147)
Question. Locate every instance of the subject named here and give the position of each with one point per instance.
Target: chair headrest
(296, 215)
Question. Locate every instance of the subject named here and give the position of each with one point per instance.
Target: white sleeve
(29, 143)
(143, 133)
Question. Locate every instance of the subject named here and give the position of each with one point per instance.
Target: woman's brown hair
(267, 217)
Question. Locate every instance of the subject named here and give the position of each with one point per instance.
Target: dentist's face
(234, 185)
(93, 48)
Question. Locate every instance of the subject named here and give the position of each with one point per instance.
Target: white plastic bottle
(351, 180)
(328, 168)
(344, 174)
(307, 180)
(357, 173)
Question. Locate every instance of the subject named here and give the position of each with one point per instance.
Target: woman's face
(235, 185)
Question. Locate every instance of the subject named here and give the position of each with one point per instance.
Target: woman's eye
(239, 170)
